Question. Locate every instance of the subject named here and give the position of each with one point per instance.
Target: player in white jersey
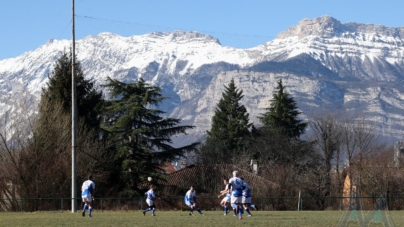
(226, 198)
(190, 200)
(150, 200)
(237, 193)
(87, 195)
(246, 200)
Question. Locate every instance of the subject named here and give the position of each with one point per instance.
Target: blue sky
(27, 24)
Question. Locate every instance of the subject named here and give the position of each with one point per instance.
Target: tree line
(123, 139)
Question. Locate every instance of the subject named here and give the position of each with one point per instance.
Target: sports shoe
(83, 213)
(190, 213)
(249, 215)
(89, 215)
(240, 217)
(144, 213)
(153, 215)
(225, 214)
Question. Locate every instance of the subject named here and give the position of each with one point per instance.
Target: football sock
(148, 209)
(192, 210)
(252, 206)
(248, 211)
(90, 209)
(240, 212)
(199, 210)
(153, 211)
(84, 208)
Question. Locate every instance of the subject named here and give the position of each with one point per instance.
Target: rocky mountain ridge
(325, 64)
(328, 26)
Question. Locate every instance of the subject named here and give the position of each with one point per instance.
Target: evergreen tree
(59, 86)
(282, 114)
(229, 125)
(51, 141)
(139, 134)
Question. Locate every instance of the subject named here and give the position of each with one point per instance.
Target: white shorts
(226, 199)
(246, 200)
(189, 203)
(235, 200)
(149, 202)
(87, 198)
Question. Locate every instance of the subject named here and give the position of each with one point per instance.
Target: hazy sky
(27, 24)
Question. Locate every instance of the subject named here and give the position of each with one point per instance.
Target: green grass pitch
(181, 218)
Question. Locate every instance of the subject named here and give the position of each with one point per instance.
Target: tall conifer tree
(283, 114)
(50, 147)
(59, 86)
(229, 124)
(138, 132)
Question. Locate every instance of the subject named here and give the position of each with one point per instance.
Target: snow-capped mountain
(326, 65)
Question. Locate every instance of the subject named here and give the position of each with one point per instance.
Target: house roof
(210, 177)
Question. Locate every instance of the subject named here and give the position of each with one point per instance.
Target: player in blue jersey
(237, 193)
(87, 195)
(246, 200)
(226, 198)
(150, 195)
(190, 200)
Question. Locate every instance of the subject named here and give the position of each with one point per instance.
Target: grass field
(178, 218)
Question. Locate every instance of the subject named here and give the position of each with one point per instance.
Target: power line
(68, 24)
(93, 25)
(172, 28)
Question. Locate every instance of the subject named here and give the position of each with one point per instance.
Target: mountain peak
(323, 26)
(181, 36)
(327, 26)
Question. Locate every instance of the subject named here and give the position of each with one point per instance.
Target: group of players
(236, 192)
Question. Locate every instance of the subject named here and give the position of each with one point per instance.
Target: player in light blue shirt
(237, 185)
(190, 200)
(150, 200)
(87, 195)
(246, 200)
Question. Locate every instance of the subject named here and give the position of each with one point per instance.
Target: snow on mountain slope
(326, 65)
(337, 45)
(107, 53)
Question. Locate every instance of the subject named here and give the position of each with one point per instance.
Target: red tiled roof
(210, 177)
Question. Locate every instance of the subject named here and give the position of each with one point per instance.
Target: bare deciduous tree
(35, 156)
(326, 132)
(15, 129)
